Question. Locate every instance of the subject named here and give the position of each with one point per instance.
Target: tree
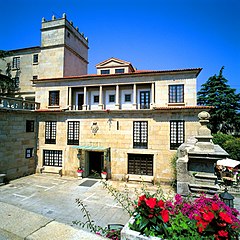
(6, 80)
(225, 114)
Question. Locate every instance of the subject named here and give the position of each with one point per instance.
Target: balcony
(17, 103)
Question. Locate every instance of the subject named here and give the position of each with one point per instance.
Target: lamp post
(227, 198)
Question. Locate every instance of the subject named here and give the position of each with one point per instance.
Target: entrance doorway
(96, 162)
(80, 98)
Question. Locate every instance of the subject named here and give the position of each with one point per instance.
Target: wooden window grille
(52, 158)
(29, 125)
(50, 132)
(140, 164)
(73, 133)
(140, 134)
(177, 134)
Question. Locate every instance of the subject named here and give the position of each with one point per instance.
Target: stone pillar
(100, 104)
(152, 96)
(70, 98)
(204, 134)
(134, 106)
(117, 105)
(84, 107)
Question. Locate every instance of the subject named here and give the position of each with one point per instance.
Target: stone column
(152, 96)
(70, 98)
(117, 105)
(84, 107)
(100, 104)
(134, 105)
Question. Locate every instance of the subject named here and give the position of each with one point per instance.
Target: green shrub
(229, 144)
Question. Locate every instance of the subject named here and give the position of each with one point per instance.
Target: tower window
(16, 63)
(35, 58)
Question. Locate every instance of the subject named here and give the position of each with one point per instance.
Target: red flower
(201, 225)
(165, 215)
(215, 207)
(151, 202)
(209, 216)
(223, 233)
(140, 199)
(225, 217)
(160, 203)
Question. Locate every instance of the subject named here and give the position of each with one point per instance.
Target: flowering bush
(200, 218)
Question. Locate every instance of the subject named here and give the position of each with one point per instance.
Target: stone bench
(2, 177)
(139, 178)
(50, 169)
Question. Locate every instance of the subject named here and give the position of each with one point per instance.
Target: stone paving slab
(19, 224)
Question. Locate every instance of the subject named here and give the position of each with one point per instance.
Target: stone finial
(64, 15)
(43, 19)
(77, 28)
(71, 22)
(204, 134)
(53, 17)
(86, 39)
(204, 120)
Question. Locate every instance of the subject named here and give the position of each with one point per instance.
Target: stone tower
(64, 51)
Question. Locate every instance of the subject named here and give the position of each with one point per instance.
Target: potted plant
(104, 173)
(80, 172)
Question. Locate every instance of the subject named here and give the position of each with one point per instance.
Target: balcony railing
(18, 103)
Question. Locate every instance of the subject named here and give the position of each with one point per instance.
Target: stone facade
(63, 52)
(122, 119)
(18, 147)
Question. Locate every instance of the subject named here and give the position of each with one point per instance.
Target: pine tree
(225, 114)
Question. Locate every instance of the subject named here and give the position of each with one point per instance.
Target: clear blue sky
(151, 34)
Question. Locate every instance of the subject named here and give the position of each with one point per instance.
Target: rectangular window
(140, 134)
(16, 63)
(16, 82)
(96, 99)
(176, 134)
(111, 98)
(29, 126)
(73, 133)
(105, 71)
(176, 93)
(127, 98)
(29, 152)
(52, 158)
(50, 132)
(140, 164)
(35, 77)
(120, 70)
(144, 99)
(35, 58)
(54, 98)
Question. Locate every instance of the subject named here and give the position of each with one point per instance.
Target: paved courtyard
(54, 197)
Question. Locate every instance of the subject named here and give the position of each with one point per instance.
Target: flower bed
(200, 218)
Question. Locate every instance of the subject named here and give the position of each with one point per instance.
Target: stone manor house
(125, 120)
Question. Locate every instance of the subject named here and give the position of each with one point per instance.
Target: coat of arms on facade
(94, 128)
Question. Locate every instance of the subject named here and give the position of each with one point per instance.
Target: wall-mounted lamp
(79, 154)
